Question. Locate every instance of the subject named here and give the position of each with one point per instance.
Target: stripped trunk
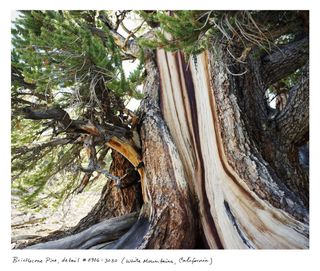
(201, 160)
(242, 202)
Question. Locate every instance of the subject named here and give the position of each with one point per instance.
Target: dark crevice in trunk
(193, 107)
(236, 225)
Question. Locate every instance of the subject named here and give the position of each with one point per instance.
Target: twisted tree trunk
(216, 165)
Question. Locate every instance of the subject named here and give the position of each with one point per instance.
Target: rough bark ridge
(241, 204)
(116, 199)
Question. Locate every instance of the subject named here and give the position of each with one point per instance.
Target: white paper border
(222, 260)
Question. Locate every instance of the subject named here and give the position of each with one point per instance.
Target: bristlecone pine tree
(207, 160)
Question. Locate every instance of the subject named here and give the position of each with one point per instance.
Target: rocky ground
(26, 225)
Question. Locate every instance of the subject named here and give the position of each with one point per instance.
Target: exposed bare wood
(233, 214)
(108, 230)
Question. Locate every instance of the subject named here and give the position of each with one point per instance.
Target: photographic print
(159, 129)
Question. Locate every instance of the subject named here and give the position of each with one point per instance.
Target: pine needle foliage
(68, 60)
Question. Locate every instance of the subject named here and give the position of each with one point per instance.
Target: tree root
(100, 233)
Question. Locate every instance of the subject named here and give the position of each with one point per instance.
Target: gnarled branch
(57, 114)
(284, 61)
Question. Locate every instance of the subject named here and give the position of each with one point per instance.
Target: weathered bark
(115, 200)
(166, 220)
(285, 60)
(293, 121)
